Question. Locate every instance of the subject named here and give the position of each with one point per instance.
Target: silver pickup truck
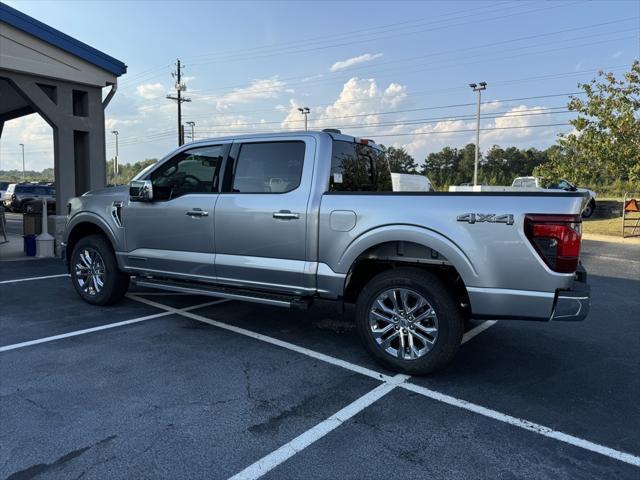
(283, 219)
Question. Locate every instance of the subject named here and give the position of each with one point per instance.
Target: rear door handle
(197, 212)
(286, 215)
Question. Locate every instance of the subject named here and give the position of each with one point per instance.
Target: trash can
(32, 224)
(29, 245)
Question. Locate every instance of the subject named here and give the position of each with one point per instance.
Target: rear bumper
(506, 304)
(573, 305)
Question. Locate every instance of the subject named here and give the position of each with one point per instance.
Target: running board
(288, 301)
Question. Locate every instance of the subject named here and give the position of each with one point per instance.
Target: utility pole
(192, 124)
(477, 88)
(305, 111)
(22, 145)
(115, 160)
(180, 87)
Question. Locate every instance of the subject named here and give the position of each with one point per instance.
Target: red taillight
(556, 238)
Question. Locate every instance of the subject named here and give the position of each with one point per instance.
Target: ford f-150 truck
(283, 219)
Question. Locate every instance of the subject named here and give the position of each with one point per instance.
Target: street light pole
(305, 111)
(23, 177)
(115, 160)
(477, 88)
(192, 124)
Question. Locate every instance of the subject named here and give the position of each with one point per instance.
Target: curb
(610, 239)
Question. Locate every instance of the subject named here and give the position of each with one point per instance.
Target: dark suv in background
(27, 193)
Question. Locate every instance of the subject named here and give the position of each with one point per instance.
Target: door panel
(261, 222)
(174, 233)
(160, 236)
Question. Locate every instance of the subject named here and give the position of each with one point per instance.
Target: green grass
(607, 226)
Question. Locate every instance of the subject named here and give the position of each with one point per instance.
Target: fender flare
(409, 233)
(89, 217)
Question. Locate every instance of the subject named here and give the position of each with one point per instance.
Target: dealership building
(68, 83)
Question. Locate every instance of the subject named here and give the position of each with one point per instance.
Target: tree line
(454, 166)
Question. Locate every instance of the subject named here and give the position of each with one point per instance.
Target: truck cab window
(189, 172)
(269, 167)
(357, 168)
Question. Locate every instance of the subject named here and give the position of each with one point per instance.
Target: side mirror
(141, 191)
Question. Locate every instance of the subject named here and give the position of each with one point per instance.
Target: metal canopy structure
(46, 71)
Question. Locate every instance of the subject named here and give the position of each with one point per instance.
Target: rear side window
(4, 185)
(358, 168)
(269, 167)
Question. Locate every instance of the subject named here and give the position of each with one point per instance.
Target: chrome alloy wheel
(403, 323)
(90, 271)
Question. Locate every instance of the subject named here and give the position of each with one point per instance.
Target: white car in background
(566, 185)
(407, 182)
(6, 193)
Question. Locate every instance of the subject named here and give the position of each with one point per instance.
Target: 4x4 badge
(471, 218)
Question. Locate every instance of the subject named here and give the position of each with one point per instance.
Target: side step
(289, 301)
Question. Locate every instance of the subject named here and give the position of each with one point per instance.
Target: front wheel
(408, 321)
(94, 271)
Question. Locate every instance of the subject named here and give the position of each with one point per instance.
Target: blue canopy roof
(58, 39)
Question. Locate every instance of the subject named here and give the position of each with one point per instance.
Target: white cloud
(37, 137)
(258, 90)
(618, 54)
(356, 105)
(350, 62)
(433, 137)
(150, 91)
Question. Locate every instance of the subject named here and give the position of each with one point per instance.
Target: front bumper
(573, 305)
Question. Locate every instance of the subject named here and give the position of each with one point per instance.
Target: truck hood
(117, 191)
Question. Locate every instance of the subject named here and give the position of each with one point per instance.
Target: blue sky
(375, 69)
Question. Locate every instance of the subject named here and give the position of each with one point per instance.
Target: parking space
(178, 386)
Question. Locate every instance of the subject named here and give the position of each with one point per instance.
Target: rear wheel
(408, 321)
(94, 271)
(588, 210)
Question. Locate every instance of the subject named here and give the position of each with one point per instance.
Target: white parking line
(302, 441)
(265, 338)
(286, 451)
(34, 278)
(75, 333)
(524, 424)
(477, 330)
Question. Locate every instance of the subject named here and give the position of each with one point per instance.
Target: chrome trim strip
(509, 291)
(197, 291)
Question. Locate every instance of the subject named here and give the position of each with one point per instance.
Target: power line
(405, 123)
(277, 48)
(506, 100)
(464, 50)
(437, 107)
(279, 89)
(427, 66)
(438, 26)
(418, 93)
(473, 130)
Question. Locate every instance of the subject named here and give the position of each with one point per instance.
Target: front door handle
(286, 215)
(197, 212)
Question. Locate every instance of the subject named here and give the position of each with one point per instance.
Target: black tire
(589, 209)
(115, 282)
(438, 295)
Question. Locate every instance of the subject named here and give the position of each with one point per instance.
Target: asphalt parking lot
(178, 386)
